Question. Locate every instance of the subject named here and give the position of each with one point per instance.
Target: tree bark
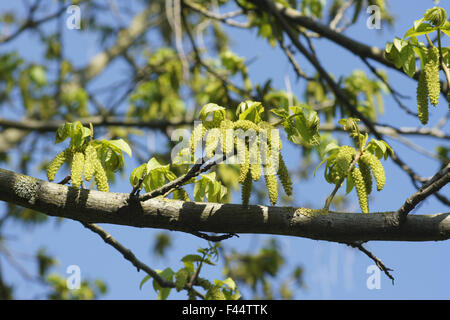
(91, 206)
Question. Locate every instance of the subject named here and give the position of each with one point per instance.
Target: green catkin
(332, 176)
(377, 170)
(272, 188)
(255, 159)
(422, 99)
(246, 188)
(343, 160)
(56, 163)
(90, 156)
(100, 177)
(431, 70)
(275, 146)
(226, 135)
(245, 125)
(361, 191)
(283, 175)
(364, 166)
(76, 169)
(244, 159)
(196, 137)
(212, 141)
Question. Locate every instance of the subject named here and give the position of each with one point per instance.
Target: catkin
(255, 159)
(226, 135)
(422, 99)
(272, 188)
(361, 191)
(90, 156)
(283, 175)
(431, 70)
(100, 176)
(245, 125)
(244, 159)
(196, 137)
(364, 166)
(378, 171)
(77, 169)
(343, 160)
(56, 163)
(212, 141)
(246, 188)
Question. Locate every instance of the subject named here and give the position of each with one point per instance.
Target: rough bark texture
(118, 208)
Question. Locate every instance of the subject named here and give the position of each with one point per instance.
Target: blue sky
(332, 271)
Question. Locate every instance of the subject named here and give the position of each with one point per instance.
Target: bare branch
(129, 255)
(438, 181)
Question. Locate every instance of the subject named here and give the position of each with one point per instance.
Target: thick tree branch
(90, 206)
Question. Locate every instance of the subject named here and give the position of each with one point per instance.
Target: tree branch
(364, 51)
(129, 255)
(438, 181)
(90, 206)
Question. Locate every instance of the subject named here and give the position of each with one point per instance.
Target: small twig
(290, 56)
(225, 18)
(213, 238)
(129, 255)
(194, 171)
(377, 261)
(438, 181)
(227, 83)
(339, 15)
(65, 180)
(137, 187)
(395, 95)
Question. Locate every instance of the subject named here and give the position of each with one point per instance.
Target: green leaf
(192, 258)
(214, 293)
(332, 145)
(181, 278)
(61, 134)
(303, 126)
(436, 15)
(422, 28)
(122, 145)
(137, 174)
(167, 274)
(350, 184)
(349, 124)
(446, 29)
(217, 111)
(393, 55)
(153, 164)
(399, 44)
(250, 110)
(228, 282)
(281, 112)
(144, 281)
(409, 60)
(37, 75)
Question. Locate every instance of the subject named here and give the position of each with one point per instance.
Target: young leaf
(422, 28)
(146, 278)
(250, 110)
(121, 145)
